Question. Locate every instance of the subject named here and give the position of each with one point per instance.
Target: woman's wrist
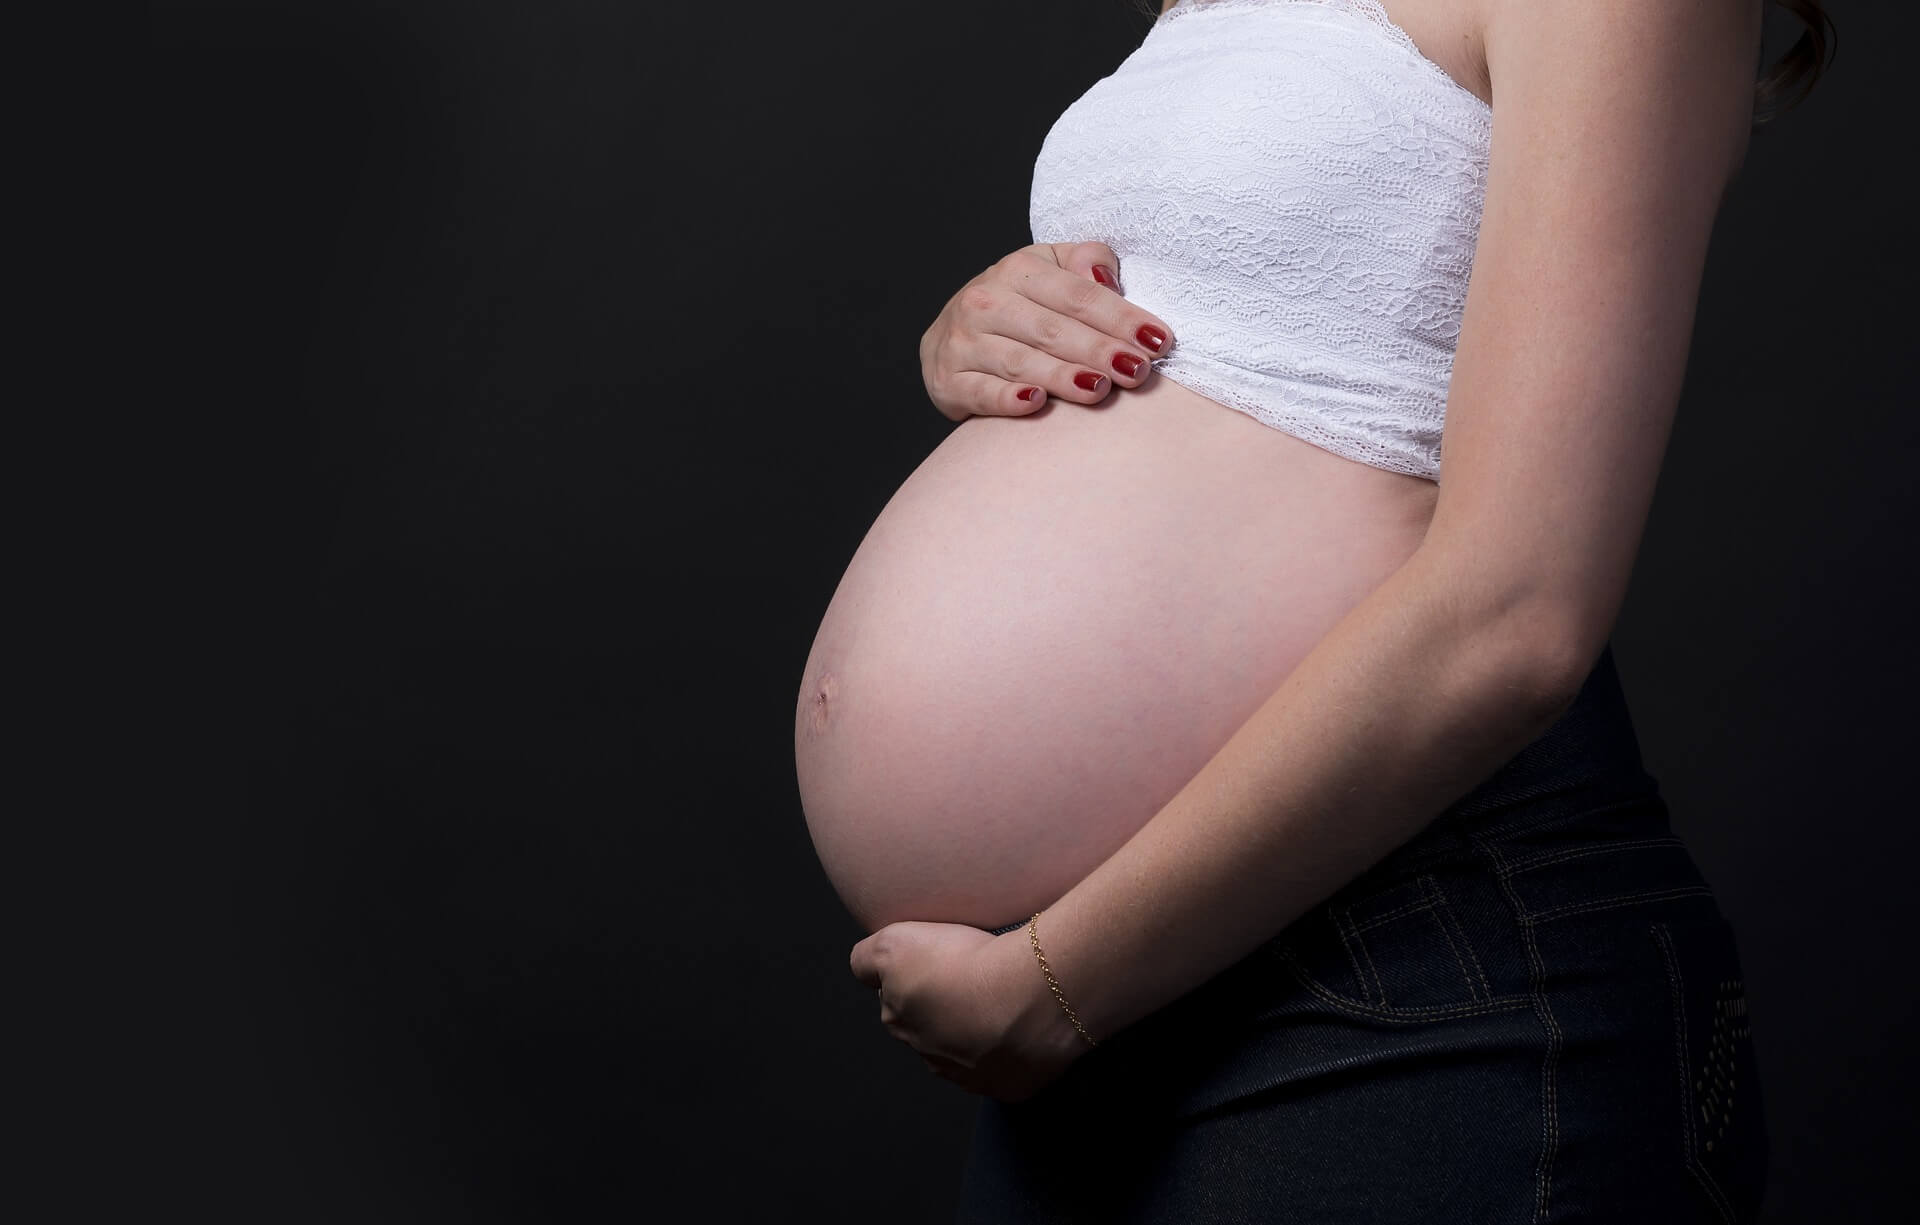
(1036, 1022)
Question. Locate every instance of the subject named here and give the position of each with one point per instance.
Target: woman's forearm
(1420, 692)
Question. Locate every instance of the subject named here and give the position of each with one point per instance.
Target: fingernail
(1087, 380)
(1027, 393)
(1150, 337)
(1104, 275)
(1127, 364)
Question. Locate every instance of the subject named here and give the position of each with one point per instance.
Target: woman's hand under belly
(1053, 625)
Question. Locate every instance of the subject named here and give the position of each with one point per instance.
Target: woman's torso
(1058, 619)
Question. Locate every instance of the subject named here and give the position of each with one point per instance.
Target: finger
(1001, 307)
(1022, 363)
(989, 395)
(864, 961)
(1035, 328)
(1095, 260)
(1043, 281)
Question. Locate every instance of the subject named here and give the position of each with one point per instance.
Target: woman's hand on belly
(973, 1005)
(1038, 323)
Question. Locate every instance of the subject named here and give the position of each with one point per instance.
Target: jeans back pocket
(1721, 1133)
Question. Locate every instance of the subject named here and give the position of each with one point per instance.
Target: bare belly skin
(1055, 622)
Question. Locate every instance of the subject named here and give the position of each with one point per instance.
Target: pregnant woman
(1239, 794)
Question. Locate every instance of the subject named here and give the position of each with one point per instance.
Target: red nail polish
(1027, 393)
(1104, 275)
(1150, 337)
(1087, 380)
(1127, 364)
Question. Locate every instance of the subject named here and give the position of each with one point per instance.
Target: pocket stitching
(1343, 923)
(1450, 927)
(1395, 913)
(1544, 858)
(1664, 938)
(1367, 978)
(1610, 903)
(1410, 1013)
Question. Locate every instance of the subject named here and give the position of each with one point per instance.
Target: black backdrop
(547, 363)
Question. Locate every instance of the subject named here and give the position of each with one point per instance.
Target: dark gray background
(548, 362)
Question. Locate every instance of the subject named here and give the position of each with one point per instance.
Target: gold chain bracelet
(1033, 938)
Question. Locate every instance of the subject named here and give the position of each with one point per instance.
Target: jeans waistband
(1587, 762)
(1592, 747)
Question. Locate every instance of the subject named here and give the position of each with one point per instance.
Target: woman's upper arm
(1616, 127)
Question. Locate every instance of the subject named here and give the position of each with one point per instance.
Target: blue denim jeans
(1531, 1013)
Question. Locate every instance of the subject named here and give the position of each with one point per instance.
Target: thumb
(1081, 258)
(864, 960)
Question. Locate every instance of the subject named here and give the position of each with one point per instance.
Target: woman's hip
(1534, 1011)
(1412, 1054)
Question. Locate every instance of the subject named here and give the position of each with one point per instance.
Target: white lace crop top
(1296, 189)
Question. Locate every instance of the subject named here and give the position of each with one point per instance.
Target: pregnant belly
(1055, 622)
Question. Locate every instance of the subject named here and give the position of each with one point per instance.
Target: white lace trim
(1372, 10)
(1300, 199)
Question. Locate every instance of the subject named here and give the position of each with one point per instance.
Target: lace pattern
(1296, 188)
